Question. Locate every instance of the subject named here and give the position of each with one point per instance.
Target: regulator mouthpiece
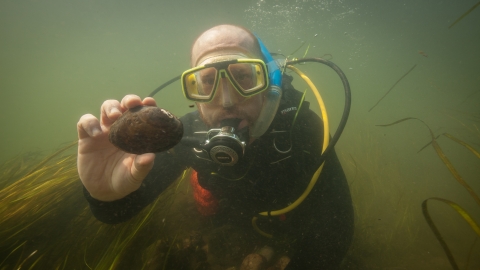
(223, 146)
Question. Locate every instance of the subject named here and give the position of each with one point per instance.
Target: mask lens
(199, 85)
(249, 77)
(207, 80)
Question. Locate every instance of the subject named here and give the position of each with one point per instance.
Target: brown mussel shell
(146, 129)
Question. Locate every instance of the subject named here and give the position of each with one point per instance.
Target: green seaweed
(464, 214)
(464, 15)
(404, 75)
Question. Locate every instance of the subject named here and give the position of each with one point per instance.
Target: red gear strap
(206, 203)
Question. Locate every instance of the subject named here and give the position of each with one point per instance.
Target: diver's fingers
(88, 126)
(110, 111)
(131, 101)
(149, 101)
(142, 166)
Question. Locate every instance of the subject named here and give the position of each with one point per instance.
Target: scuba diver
(254, 147)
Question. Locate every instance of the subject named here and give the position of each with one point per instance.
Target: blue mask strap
(274, 73)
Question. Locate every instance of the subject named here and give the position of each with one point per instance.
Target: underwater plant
(462, 212)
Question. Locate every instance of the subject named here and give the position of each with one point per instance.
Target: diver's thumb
(142, 166)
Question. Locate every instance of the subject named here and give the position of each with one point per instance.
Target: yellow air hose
(313, 181)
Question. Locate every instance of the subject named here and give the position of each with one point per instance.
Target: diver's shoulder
(191, 116)
(192, 122)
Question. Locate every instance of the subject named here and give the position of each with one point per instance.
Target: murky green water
(62, 59)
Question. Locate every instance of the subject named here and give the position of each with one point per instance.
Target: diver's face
(227, 102)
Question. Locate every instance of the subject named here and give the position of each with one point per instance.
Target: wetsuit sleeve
(165, 171)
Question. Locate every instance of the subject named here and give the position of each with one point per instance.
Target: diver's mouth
(241, 128)
(237, 123)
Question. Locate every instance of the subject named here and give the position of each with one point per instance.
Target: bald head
(225, 39)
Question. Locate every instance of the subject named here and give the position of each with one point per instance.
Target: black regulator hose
(348, 99)
(164, 85)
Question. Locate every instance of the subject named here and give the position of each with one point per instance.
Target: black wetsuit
(271, 178)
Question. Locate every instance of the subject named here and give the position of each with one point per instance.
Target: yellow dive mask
(248, 76)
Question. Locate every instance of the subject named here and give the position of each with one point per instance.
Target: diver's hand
(106, 172)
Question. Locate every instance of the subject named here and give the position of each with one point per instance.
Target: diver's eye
(207, 84)
(208, 76)
(243, 79)
(208, 81)
(242, 74)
